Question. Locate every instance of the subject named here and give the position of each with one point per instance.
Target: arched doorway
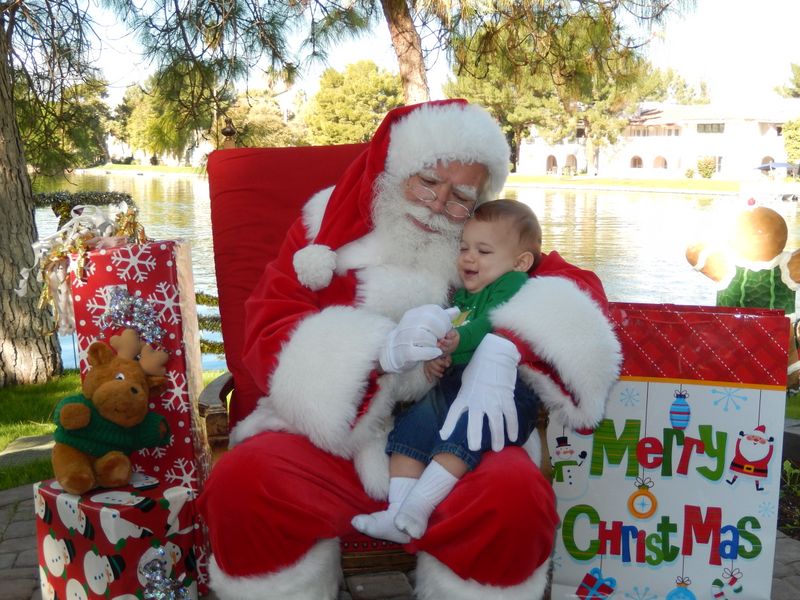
(660, 162)
(571, 165)
(636, 162)
(552, 165)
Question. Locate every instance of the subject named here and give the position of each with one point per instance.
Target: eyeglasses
(455, 210)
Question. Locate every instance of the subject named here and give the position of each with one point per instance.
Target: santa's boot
(316, 575)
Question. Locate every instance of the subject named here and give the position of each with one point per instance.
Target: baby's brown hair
(522, 219)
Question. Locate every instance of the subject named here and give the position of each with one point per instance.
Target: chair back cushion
(256, 194)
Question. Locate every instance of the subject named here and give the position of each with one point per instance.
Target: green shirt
(758, 289)
(473, 322)
(101, 436)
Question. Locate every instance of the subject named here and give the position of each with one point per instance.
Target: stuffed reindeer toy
(97, 430)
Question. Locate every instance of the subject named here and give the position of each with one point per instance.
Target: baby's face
(488, 250)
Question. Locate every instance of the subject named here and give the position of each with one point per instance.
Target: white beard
(404, 244)
(753, 452)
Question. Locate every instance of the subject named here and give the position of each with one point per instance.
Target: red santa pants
(274, 496)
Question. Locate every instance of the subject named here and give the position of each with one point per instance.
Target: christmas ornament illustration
(642, 504)
(730, 582)
(681, 590)
(680, 412)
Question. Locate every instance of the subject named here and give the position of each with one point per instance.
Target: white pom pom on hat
(314, 266)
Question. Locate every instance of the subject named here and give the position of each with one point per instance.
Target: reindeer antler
(127, 344)
(152, 361)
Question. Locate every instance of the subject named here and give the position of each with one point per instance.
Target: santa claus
(337, 330)
(752, 455)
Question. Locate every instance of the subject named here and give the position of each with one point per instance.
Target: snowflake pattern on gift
(166, 301)
(629, 397)
(184, 473)
(157, 453)
(728, 397)
(99, 304)
(84, 341)
(88, 271)
(202, 564)
(175, 397)
(133, 263)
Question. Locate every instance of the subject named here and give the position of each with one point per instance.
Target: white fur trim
(314, 210)
(314, 266)
(466, 133)
(322, 375)
(315, 576)
(436, 582)
(567, 330)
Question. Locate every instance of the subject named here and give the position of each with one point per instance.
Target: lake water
(635, 241)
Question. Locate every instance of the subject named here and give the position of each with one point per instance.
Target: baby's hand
(435, 368)
(449, 342)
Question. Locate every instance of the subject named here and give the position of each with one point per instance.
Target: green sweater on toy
(101, 436)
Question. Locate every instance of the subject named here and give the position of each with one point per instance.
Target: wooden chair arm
(213, 407)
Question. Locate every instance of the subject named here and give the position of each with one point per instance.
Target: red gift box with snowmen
(675, 493)
(148, 287)
(100, 544)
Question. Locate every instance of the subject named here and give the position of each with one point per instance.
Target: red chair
(256, 194)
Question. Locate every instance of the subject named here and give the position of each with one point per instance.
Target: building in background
(667, 140)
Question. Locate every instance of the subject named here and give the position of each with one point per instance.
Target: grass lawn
(793, 406)
(26, 410)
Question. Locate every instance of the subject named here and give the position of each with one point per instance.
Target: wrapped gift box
(678, 485)
(159, 273)
(98, 544)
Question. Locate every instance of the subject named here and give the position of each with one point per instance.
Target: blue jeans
(416, 430)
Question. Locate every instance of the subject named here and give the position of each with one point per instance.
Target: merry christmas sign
(674, 496)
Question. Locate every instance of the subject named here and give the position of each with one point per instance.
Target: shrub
(689, 173)
(706, 166)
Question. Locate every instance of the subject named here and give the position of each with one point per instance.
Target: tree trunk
(27, 353)
(408, 48)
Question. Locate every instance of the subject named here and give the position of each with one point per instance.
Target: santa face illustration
(57, 554)
(752, 455)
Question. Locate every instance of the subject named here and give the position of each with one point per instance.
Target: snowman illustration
(752, 455)
(76, 590)
(72, 516)
(176, 498)
(101, 570)
(46, 588)
(169, 555)
(117, 528)
(40, 505)
(122, 498)
(569, 480)
(57, 554)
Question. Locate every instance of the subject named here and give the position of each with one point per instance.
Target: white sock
(381, 524)
(433, 487)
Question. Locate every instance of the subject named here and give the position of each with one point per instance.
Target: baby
(500, 243)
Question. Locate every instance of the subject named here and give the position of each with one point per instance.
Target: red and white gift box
(98, 544)
(160, 273)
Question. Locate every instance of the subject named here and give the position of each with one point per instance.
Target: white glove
(414, 339)
(487, 388)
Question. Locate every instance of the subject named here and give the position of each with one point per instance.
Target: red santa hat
(409, 139)
(762, 430)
